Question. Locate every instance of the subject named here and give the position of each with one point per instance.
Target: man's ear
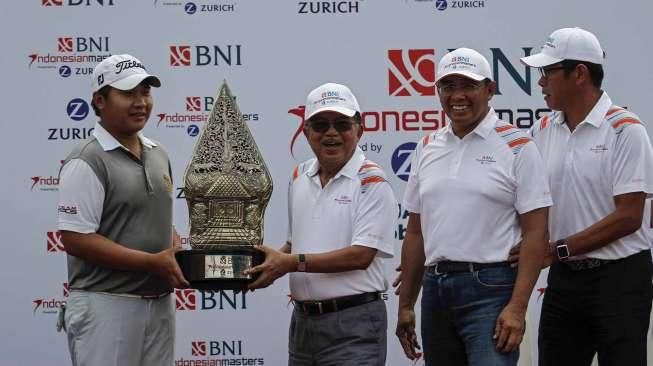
(360, 129)
(492, 89)
(99, 100)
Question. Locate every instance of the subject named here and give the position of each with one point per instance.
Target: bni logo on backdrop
(55, 3)
(72, 56)
(411, 72)
(220, 352)
(230, 55)
(191, 300)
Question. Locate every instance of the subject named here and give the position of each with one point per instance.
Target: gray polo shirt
(125, 199)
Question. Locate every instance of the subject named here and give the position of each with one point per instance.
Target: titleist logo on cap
(127, 64)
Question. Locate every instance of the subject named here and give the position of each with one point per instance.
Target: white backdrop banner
(272, 53)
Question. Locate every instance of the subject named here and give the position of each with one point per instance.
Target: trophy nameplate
(227, 188)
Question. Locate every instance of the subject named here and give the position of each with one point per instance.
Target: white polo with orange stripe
(469, 192)
(356, 207)
(608, 154)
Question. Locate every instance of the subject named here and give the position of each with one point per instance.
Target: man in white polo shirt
(476, 189)
(341, 224)
(598, 156)
(115, 217)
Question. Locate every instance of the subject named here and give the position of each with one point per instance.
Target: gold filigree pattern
(227, 184)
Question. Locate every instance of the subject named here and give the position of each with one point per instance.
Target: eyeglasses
(546, 71)
(323, 125)
(446, 90)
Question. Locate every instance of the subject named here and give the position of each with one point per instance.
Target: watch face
(563, 251)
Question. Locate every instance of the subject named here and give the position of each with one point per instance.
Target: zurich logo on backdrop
(77, 109)
(65, 71)
(441, 4)
(401, 159)
(193, 130)
(190, 8)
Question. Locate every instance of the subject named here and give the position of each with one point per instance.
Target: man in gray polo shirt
(115, 216)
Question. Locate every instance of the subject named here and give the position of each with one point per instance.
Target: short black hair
(357, 117)
(103, 91)
(595, 70)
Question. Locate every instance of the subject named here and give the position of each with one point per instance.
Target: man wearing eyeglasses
(599, 160)
(476, 189)
(341, 224)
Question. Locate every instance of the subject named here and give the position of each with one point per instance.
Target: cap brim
(131, 81)
(342, 110)
(539, 60)
(467, 74)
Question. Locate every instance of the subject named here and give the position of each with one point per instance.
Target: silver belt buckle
(435, 268)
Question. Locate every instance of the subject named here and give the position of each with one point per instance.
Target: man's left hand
(276, 264)
(510, 327)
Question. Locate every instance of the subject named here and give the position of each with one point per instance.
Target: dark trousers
(356, 336)
(602, 310)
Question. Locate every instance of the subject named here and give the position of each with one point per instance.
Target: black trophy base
(219, 268)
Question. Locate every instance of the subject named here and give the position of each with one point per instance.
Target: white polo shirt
(608, 154)
(470, 191)
(356, 207)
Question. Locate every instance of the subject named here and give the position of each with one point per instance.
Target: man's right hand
(165, 266)
(406, 333)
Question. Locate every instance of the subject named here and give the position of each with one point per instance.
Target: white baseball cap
(331, 97)
(567, 44)
(466, 62)
(122, 72)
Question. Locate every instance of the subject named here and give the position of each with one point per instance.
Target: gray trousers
(109, 330)
(354, 336)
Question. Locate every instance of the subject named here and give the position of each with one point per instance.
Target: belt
(133, 296)
(451, 266)
(587, 263)
(339, 303)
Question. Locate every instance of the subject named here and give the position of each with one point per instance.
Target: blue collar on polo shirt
(108, 142)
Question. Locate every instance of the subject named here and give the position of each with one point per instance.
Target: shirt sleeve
(532, 190)
(375, 220)
(412, 199)
(81, 197)
(632, 162)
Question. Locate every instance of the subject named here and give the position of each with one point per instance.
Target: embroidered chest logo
(486, 159)
(168, 183)
(343, 199)
(598, 149)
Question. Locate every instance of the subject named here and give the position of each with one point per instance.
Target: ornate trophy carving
(227, 188)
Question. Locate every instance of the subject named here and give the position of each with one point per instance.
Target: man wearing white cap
(341, 224)
(115, 217)
(476, 189)
(599, 160)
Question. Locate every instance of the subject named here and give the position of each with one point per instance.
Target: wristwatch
(561, 249)
(301, 264)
